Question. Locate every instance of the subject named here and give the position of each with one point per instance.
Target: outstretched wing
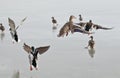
(80, 30)
(82, 24)
(101, 27)
(27, 48)
(21, 22)
(41, 50)
(11, 24)
(64, 30)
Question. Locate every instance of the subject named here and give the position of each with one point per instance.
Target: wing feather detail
(27, 48)
(11, 24)
(42, 50)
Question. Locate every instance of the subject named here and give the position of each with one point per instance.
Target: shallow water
(67, 57)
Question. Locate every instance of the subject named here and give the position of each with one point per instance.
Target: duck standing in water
(80, 18)
(54, 21)
(67, 27)
(91, 43)
(2, 34)
(90, 47)
(2, 28)
(33, 54)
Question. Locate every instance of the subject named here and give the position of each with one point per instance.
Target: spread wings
(79, 29)
(64, 30)
(101, 27)
(42, 50)
(11, 24)
(27, 48)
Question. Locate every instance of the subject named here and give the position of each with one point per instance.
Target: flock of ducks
(31, 50)
(81, 27)
(70, 26)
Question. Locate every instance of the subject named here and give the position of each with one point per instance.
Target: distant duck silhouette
(80, 18)
(67, 27)
(33, 54)
(2, 28)
(54, 21)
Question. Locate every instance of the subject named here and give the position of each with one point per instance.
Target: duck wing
(27, 48)
(11, 24)
(65, 29)
(101, 27)
(42, 50)
(82, 24)
(21, 22)
(80, 30)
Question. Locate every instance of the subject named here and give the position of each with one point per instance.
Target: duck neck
(70, 19)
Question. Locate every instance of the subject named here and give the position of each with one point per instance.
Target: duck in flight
(89, 25)
(13, 29)
(67, 27)
(33, 54)
(81, 30)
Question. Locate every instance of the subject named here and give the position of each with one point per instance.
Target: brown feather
(11, 24)
(64, 30)
(42, 50)
(27, 48)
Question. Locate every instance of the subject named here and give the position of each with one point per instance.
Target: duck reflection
(54, 28)
(16, 74)
(91, 52)
(2, 35)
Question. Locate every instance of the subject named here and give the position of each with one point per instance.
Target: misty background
(67, 57)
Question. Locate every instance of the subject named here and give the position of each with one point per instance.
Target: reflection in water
(16, 74)
(54, 28)
(91, 52)
(2, 35)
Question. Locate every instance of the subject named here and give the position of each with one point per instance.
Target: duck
(91, 42)
(33, 54)
(67, 27)
(80, 18)
(13, 29)
(81, 30)
(2, 28)
(54, 21)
